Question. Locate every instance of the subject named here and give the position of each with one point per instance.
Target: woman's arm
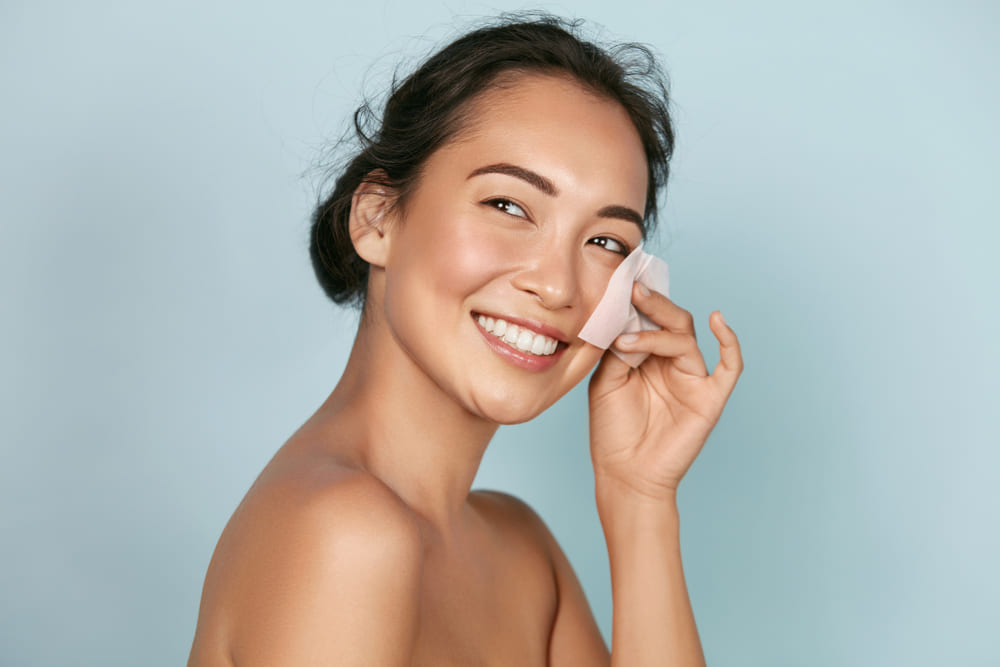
(652, 612)
(653, 620)
(647, 425)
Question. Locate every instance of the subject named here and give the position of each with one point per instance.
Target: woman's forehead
(558, 128)
(525, 97)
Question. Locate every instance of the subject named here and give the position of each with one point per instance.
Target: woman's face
(523, 218)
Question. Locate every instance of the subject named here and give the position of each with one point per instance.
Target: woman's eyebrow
(537, 180)
(545, 185)
(621, 212)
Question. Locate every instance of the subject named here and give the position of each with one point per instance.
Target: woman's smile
(520, 337)
(520, 342)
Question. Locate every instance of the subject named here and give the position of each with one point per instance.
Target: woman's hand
(648, 424)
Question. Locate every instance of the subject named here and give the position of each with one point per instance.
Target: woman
(509, 177)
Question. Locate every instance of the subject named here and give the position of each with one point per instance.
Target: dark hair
(429, 108)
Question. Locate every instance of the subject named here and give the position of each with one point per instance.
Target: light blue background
(834, 194)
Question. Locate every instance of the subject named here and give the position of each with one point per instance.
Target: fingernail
(628, 339)
(643, 290)
(723, 319)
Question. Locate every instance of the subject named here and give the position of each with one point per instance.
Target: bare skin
(361, 543)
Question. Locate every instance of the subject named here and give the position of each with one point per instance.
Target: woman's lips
(506, 338)
(519, 337)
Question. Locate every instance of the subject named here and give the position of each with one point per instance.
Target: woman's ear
(369, 222)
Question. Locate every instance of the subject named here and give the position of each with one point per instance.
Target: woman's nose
(551, 277)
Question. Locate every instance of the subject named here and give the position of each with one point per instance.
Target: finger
(730, 365)
(611, 373)
(682, 348)
(659, 308)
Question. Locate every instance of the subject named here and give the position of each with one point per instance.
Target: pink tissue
(615, 314)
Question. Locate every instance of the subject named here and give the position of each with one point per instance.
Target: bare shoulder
(317, 562)
(334, 503)
(509, 513)
(575, 638)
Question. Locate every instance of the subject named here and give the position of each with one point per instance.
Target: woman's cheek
(476, 257)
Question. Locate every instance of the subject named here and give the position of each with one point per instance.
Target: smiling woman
(479, 226)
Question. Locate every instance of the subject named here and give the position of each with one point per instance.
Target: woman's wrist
(612, 489)
(631, 506)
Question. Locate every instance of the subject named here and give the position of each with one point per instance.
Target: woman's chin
(505, 411)
(516, 403)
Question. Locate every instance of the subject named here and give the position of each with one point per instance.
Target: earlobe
(369, 222)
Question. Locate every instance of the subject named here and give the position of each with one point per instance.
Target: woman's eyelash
(608, 243)
(505, 205)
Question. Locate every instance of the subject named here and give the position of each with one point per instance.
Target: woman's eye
(610, 244)
(507, 206)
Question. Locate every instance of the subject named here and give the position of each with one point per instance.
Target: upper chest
(491, 602)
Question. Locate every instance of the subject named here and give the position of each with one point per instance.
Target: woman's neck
(393, 420)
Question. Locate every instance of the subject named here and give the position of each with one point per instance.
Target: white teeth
(518, 337)
(525, 340)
